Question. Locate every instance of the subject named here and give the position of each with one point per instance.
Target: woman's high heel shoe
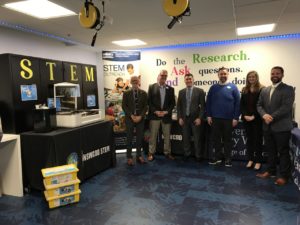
(257, 166)
(250, 165)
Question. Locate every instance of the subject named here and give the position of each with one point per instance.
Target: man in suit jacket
(190, 110)
(135, 107)
(161, 100)
(275, 106)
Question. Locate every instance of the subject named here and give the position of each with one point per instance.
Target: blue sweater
(223, 101)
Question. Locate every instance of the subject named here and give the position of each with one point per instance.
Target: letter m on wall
(89, 73)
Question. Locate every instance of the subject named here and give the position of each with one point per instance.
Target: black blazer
(197, 106)
(154, 102)
(249, 108)
(280, 107)
(128, 103)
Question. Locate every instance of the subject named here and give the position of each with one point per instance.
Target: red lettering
(174, 71)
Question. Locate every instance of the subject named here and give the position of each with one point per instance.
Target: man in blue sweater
(223, 111)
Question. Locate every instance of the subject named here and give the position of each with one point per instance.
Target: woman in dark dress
(251, 119)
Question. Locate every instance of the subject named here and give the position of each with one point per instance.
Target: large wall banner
(118, 67)
(241, 57)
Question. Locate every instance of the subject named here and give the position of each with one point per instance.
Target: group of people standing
(265, 111)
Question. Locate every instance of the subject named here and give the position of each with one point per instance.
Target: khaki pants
(166, 129)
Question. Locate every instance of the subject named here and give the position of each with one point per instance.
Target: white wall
(261, 56)
(27, 44)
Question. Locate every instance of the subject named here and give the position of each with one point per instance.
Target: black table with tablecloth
(239, 141)
(91, 147)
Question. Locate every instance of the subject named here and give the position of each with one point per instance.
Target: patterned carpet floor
(165, 192)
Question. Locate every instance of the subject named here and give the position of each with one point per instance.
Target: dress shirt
(162, 90)
(273, 86)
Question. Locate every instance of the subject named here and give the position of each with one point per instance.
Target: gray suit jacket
(280, 107)
(197, 106)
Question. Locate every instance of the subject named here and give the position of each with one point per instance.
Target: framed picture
(28, 92)
(91, 100)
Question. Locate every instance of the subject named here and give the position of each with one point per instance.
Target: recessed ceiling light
(42, 9)
(131, 42)
(255, 29)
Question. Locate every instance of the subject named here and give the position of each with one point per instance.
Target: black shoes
(228, 163)
(215, 162)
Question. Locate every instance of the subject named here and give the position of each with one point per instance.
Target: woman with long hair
(252, 120)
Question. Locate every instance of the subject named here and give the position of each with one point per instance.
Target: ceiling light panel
(42, 9)
(131, 42)
(266, 28)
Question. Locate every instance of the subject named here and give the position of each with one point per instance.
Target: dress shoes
(281, 181)
(265, 175)
(150, 157)
(130, 162)
(140, 160)
(169, 156)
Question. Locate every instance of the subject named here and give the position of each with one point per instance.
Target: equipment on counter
(67, 114)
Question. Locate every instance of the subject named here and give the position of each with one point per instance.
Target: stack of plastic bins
(61, 184)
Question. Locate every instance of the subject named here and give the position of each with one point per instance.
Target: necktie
(135, 97)
(162, 96)
(188, 101)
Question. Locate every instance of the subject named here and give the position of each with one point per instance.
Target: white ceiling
(210, 20)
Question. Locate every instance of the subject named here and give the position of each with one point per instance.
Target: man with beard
(223, 111)
(275, 106)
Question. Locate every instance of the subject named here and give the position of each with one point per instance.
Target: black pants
(189, 129)
(277, 144)
(254, 139)
(139, 130)
(221, 131)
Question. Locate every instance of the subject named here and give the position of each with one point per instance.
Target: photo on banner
(118, 67)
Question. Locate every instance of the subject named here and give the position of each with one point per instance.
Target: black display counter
(239, 141)
(91, 147)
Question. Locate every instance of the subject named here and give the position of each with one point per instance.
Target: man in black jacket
(135, 106)
(161, 101)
